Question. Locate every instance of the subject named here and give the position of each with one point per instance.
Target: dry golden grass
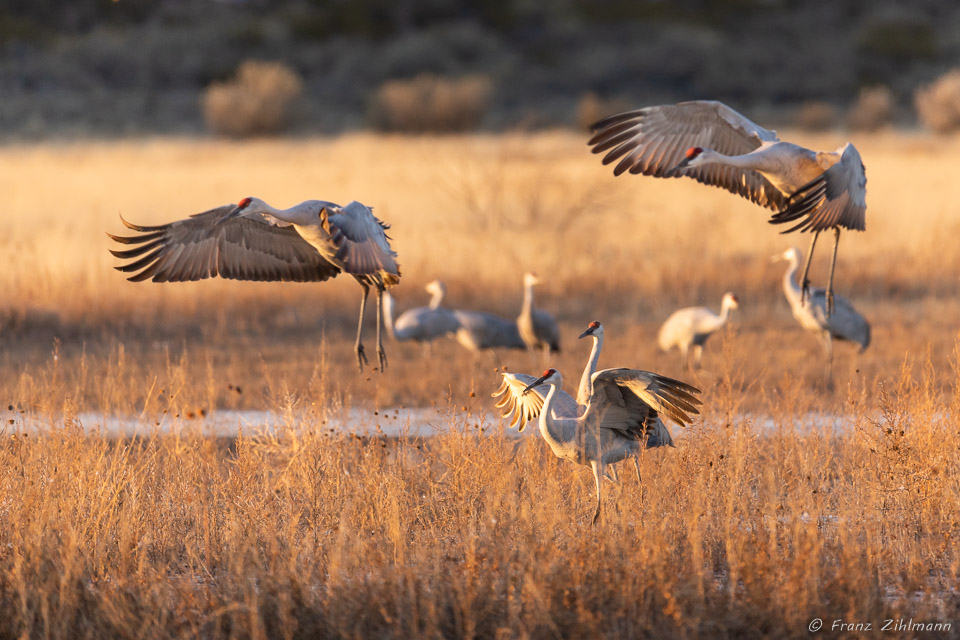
(754, 525)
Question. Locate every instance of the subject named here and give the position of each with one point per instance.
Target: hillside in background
(95, 67)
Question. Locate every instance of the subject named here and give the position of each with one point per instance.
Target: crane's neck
(550, 428)
(746, 161)
(388, 313)
(301, 214)
(586, 380)
(790, 287)
(725, 311)
(437, 298)
(527, 299)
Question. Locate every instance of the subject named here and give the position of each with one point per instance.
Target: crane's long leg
(381, 354)
(698, 356)
(358, 348)
(598, 476)
(833, 266)
(685, 357)
(805, 281)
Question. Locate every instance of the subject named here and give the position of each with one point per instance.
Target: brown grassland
(754, 525)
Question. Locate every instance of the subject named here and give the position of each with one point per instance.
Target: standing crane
(478, 330)
(713, 144)
(537, 327)
(526, 409)
(421, 324)
(523, 401)
(845, 323)
(692, 326)
(309, 242)
(622, 411)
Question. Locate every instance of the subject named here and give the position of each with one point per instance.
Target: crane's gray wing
(526, 408)
(629, 401)
(201, 247)
(838, 197)
(652, 141)
(362, 243)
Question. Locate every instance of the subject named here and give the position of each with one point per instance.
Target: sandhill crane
(537, 327)
(477, 330)
(692, 326)
(710, 142)
(845, 323)
(524, 410)
(621, 413)
(309, 242)
(421, 324)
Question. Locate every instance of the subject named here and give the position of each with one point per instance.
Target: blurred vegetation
(939, 104)
(259, 100)
(429, 103)
(112, 67)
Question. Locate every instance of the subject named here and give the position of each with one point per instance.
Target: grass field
(754, 525)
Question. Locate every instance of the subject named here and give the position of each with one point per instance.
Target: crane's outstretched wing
(629, 401)
(838, 197)
(653, 140)
(526, 408)
(362, 243)
(202, 247)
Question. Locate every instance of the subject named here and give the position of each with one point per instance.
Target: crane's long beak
(233, 213)
(588, 332)
(777, 258)
(682, 165)
(533, 384)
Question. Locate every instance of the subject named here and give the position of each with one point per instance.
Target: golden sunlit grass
(756, 523)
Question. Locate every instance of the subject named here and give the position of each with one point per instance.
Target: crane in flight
(690, 327)
(845, 323)
(310, 242)
(713, 144)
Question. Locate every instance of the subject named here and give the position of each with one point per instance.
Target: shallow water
(390, 422)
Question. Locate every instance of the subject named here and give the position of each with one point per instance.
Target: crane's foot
(361, 357)
(382, 358)
(596, 516)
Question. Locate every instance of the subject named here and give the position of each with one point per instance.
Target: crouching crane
(309, 242)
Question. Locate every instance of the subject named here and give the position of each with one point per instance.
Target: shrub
(258, 101)
(431, 103)
(872, 110)
(938, 105)
(816, 116)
